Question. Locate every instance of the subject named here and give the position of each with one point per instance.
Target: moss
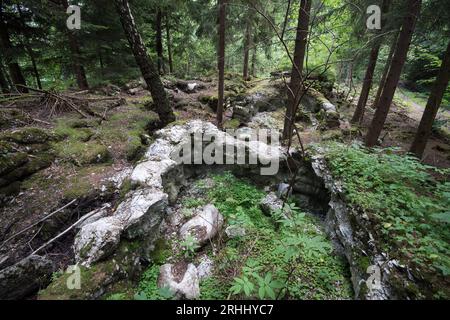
(232, 124)
(33, 165)
(79, 185)
(82, 153)
(135, 149)
(210, 100)
(10, 161)
(161, 251)
(28, 135)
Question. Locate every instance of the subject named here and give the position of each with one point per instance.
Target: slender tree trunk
(395, 71)
(29, 49)
(247, 43)
(148, 70)
(100, 60)
(433, 104)
(169, 43)
(15, 72)
(297, 69)
(368, 78)
(75, 50)
(158, 40)
(221, 60)
(386, 70)
(3, 83)
(253, 66)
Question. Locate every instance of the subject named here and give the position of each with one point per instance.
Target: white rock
(203, 226)
(150, 172)
(97, 240)
(235, 231)
(205, 268)
(182, 285)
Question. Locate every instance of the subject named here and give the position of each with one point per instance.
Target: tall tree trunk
(386, 70)
(221, 60)
(433, 104)
(247, 43)
(368, 78)
(29, 49)
(100, 60)
(34, 64)
(75, 50)
(158, 40)
(169, 43)
(395, 71)
(253, 66)
(148, 70)
(14, 69)
(297, 69)
(3, 83)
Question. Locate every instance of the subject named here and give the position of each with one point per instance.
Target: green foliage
(407, 205)
(283, 256)
(148, 288)
(189, 245)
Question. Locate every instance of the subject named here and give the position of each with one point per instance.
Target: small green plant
(189, 246)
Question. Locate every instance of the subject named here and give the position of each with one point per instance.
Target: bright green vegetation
(407, 202)
(277, 258)
(85, 142)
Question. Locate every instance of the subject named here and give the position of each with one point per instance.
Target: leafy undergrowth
(278, 258)
(408, 201)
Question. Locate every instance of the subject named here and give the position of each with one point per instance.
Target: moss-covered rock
(96, 280)
(11, 161)
(28, 135)
(82, 153)
(31, 166)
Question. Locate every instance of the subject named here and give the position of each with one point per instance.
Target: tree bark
(386, 70)
(169, 43)
(247, 42)
(395, 71)
(297, 69)
(221, 60)
(433, 104)
(149, 72)
(368, 78)
(253, 66)
(158, 42)
(74, 46)
(3, 83)
(15, 72)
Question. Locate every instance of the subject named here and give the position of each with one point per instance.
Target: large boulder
(181, 279)
(139, 216)
(25, 277)
(204, 226)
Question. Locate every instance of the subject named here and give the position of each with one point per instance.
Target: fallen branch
(64, 232)
(36, 223)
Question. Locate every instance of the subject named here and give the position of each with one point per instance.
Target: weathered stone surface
(205, 268)
(138, 216)
(271, 203)
(235, 231)
(97, 240)
(181, 279)
(204, 226)
(352, 229)
(25, 277)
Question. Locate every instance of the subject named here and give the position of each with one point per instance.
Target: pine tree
(148, 70)
(395, 70)
(296, 75)
(221, 60)
(433, 104)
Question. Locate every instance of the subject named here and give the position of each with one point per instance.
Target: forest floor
(91, 158)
